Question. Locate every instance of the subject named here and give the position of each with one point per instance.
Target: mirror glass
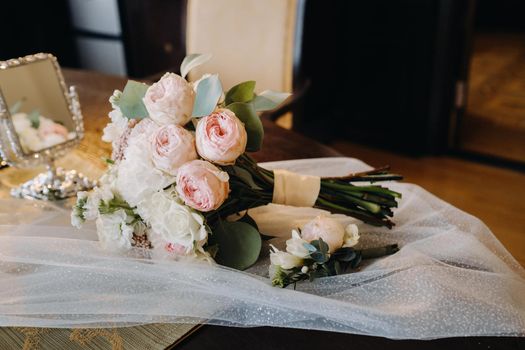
(38, 107)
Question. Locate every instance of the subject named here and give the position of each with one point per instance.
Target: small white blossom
(114, 230)
(78, 212)
(285, 260)
(113, 99)
(102, 193)
(76, 220)
(114, 130)
(351, 236)
(295, 245)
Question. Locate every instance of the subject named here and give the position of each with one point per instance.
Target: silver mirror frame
(11, 149)
(55, 183)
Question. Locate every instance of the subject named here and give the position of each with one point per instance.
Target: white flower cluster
(329, 230)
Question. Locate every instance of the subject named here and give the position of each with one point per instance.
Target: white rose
(170, 100)
(285, 260)
(351, 237)
(330, 230)
(176, 223)
(114, 231)
(295, 246)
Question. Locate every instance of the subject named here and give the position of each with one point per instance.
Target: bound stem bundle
(252, 186)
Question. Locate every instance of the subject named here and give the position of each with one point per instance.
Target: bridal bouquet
(179, 172)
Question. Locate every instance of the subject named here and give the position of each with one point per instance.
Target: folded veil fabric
(451, 277)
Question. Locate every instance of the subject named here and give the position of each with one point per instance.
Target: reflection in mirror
(40, 120)
(37, 105)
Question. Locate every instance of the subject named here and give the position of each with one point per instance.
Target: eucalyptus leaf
(249, 220)
(130, 102)
(34, 118)
(323, 246)
(268, 100)
(355, 262)
(193, 60)
(239, 244)
(345, 254)
(337, 268)
(242, 92)
(319, 257)
(209, 92)
(310, 247)
(254, 128)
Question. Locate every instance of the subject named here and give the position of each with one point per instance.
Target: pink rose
(202, 185)
(170, 100)
(175, 248)
(172, 146)
(331, 231)
(221, 137)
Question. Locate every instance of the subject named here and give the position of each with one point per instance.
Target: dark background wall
(28, 27)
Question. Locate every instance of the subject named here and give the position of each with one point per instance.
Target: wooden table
(280, 144)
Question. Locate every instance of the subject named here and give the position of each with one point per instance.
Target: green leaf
(319, 257)
(16, 106)
(130, 102)
(239, 244)
(242, 92)
(345, 254)
(268, 100)
(321, 254)
(193, 60)
(209, 92)
(254, 128)
(108, 160)
(323, 246)
(337, 268)
(34, 118)
(249, 220)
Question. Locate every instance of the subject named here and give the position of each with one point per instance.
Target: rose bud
(221, 137)
(330, 230)
(202, 186)
(170, 100)
(171, 147)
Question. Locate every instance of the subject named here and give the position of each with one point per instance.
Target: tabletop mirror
(40, 121)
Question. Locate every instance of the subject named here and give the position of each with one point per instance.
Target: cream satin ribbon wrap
(294, 189)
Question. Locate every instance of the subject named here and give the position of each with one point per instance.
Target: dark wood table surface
(94, 90)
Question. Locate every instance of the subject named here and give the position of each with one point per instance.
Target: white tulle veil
(451, 277)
